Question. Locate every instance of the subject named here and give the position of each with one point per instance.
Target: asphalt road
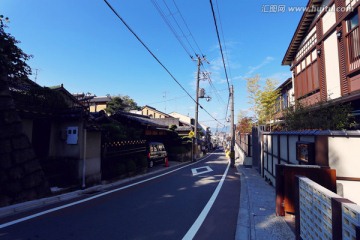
(195, 201)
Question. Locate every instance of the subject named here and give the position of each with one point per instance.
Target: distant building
(153, 112)
(99, 103)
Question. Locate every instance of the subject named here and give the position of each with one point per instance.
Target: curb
(243, 221)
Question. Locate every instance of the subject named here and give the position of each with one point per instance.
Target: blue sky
(84, 46)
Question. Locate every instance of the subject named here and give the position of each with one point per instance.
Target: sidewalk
(257, 218)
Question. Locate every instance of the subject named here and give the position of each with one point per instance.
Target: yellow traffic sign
(191, 134)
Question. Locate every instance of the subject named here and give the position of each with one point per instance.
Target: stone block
(20, 142)
(3, 179)
(23, 155)
(5, 161)
(16, 173)
(33, 180)
(5, 146)
(8, 130)
(32, 166)
(13, 188)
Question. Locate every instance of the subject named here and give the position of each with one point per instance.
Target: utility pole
(232, 129)
(199, 60)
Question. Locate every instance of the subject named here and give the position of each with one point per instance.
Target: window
(353, 22)
(285, 100)
(353, 41)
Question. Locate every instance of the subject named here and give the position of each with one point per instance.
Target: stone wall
(21, 175)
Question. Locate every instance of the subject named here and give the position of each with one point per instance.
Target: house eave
(301, 31)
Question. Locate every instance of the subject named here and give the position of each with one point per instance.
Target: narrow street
(194, 201)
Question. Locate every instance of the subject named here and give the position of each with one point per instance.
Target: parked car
(156, 153)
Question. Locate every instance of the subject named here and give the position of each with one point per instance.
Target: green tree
(122, 103)
(254, 92)
(12, 58)
(268, 98)
(262, 100)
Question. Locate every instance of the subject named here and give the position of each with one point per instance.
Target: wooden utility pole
(232, 129)
(199, 60)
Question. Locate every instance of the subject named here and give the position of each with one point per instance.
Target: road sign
(191, 134)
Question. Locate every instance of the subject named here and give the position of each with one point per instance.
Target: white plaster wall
(329, 19)
(344, 156)
(351, 190)
(314, 55)
(332, 66)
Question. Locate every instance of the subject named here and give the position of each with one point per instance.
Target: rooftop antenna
(36, 73)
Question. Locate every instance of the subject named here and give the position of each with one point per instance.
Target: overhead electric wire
(222, 53)
(158, 8)
(153, 55)
(221, 50)
(172, 28)
(178, 25)
(223, 36)
(187, 27)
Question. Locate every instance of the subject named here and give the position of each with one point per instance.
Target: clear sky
(83, 45)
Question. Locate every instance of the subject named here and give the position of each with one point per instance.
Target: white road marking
(4, 225)
(197, 224)
(201, 170)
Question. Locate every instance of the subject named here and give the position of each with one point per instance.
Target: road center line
(4, 225)
(197, 224)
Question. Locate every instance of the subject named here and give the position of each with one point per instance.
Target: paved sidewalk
(257, 218)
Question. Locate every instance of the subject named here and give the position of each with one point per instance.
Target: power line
(221, 51)
(192, 36)
(158, 8)
(153, 55)
(223, 36)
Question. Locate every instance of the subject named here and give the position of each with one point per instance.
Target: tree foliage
(262, 99)
(12, 58)
(268, 99)
(122, 103)
(254, 92)
(244, 125)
